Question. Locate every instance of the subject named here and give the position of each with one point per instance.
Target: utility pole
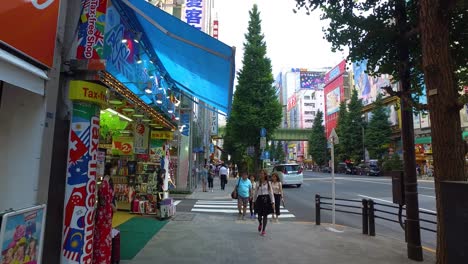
(412, 226)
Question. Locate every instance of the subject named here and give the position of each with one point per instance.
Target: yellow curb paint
(120, 218)
(429, 249)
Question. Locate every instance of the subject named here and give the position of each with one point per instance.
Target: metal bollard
(317, 209)
(365, 217)
(371, 218)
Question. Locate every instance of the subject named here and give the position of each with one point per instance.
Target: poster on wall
(369, 87)
(89, 38)
(333, 101)
(22, 235)
(156, 149)
(141, 135)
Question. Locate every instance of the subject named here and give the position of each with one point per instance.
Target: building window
(309, 104)
(308, 112)
(309, 120)
(306, 97)
(313, 113)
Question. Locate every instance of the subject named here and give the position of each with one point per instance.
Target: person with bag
(251, 202)
(278, 194)
(264, 201)
(210, 178)
(243, 191)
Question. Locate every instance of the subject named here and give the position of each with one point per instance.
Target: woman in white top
(277, 192)
(264, 201)
(254, 188)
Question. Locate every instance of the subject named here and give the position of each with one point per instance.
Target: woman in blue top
(244, 194)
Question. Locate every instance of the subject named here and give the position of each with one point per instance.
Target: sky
(293, 40)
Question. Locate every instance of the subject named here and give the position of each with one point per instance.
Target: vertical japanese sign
(82, 170)
(141, 135)
(215, 29)
(194, 13)
(214, 124)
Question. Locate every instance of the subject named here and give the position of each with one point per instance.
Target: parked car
(346, 168)
(325, 169)
(289, 174)
(369, 170)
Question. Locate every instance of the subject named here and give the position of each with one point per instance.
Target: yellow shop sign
(162, 134)
(88, 92)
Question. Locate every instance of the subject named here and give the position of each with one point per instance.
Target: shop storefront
(136, 64)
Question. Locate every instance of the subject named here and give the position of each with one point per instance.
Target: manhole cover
(183, 217)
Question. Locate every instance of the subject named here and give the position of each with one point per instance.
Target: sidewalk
(202, 238)
(217, 194)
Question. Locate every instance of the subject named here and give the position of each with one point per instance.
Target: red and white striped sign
(215, 29)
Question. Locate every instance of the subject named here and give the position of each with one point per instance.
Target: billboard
(30, 27)
(333, 100)
(292, 102)
(337, 71)
(369, 87)
(311, 80)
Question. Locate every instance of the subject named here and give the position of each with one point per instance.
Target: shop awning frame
(194, 62)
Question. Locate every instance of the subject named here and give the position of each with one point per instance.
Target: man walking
(223, 175)
(244, 194)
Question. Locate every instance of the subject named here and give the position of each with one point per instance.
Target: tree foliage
(318, 141)
(378, 132)
(255, 104)
(342, 149)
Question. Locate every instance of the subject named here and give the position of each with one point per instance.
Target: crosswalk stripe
(228, 207)
(227, 211)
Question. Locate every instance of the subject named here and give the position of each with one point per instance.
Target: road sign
(262, 132)
(263, 142)
(334, 137)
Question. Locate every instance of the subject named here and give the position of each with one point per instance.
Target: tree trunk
(447, 144)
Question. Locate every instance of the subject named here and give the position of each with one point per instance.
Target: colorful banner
(87, 92)
(89, 38)
(141, 135)
(215, 29)
(22, 235)
(194, 13)
(292, 102)
(122, 146)
(335, 72)
(156, 149)
(333, 101)
(214, 124)
(158, 134)
(80, 192)
(30, 27)
(312, 80)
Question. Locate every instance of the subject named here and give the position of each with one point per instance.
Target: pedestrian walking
(264, 201)
(244, 194)
(251, 202)
(223, 172)
(210, 178)
(277, 193)
(204, 177)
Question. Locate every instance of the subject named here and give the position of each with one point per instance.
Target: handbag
(234, 192)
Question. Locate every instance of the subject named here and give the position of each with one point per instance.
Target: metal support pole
(317, 209)
(371, 218)
(333, 180)
(365, 217)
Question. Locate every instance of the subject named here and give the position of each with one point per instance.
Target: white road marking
(177, 202)
(428, 196)
(385, 201)
(227, 207)
(227, 211)
(219, 206)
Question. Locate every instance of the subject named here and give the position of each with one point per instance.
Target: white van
(289, 174)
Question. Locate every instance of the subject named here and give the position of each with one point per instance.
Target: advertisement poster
(141, 135)
(38, 21)
(22, 235)
(312, 80)
(89, 39)
(80, 192)
(333, 101)
(156, 149)
(122, 146)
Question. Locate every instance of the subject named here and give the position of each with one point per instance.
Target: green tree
(318, 141)
(255, 104)
(279, 152)
(399, 37)
(355, 128)
(378, 132)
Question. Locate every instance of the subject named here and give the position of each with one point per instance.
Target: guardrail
(369, 210)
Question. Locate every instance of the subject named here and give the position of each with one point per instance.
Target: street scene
(216, 131)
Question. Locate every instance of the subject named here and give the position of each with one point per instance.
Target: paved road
(300, 201)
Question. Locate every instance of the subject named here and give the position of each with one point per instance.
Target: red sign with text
(30, 26)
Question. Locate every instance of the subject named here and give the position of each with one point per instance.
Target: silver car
(289, 174)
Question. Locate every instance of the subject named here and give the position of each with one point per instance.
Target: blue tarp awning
(196, 62)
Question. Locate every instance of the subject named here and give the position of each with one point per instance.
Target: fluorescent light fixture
(151, 77)
(148, 91)
(170, 111)
(146, 120)
(119, 114)
(139, 61)
(138, 115)
(177, 118)
(160, 88)
(158, 101)
(151, 62)
(124, 41)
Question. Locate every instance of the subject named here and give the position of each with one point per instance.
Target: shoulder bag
(234, 192)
